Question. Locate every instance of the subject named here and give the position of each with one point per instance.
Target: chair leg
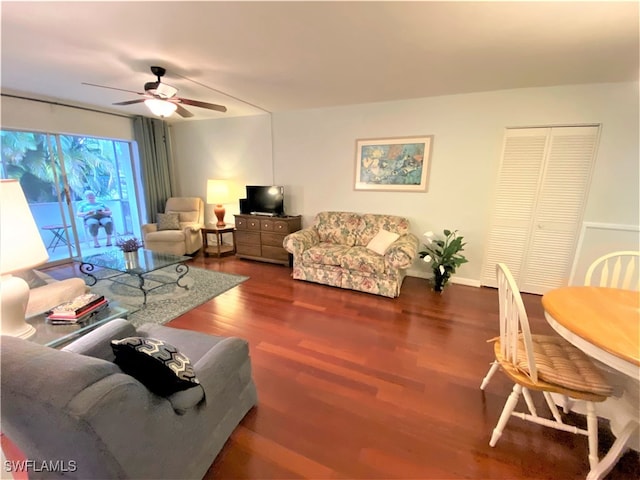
(529, 401)
(567, 404)
(485, 381)
(592, 429)
(618, 449)
(509, 406)
(552, 406)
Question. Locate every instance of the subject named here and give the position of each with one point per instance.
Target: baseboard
(470, 282)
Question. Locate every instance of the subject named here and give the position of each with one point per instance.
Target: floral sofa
(338, 250)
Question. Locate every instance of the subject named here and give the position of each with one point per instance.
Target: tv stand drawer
(260, 238)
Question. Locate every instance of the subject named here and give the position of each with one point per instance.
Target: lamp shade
(21, 246)
(161, 108)
(217, 192)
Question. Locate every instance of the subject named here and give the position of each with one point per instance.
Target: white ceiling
(280, 56)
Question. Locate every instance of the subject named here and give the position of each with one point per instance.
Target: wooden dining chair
(548, 364)
(615, 270)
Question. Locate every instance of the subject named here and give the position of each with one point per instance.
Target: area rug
(167, 301)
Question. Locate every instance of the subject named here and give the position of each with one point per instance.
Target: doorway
(55, 170)
(543, 184)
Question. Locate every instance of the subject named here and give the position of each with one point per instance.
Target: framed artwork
(393, 164)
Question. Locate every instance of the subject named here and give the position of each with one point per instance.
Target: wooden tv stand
(260, 238)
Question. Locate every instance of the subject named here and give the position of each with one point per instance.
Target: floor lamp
(21, 248)
(218, 194)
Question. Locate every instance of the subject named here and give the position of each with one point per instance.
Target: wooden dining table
(605, 324)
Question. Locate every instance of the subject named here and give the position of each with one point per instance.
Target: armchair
(184, 238)
(77, 405)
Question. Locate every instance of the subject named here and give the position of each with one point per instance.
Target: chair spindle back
(514, 323)
(615, 270)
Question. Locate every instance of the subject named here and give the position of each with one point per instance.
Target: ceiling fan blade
(183, 112)
(196, 103)
(112, 88)
(129, 102)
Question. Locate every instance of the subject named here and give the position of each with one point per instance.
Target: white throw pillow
(381, 241)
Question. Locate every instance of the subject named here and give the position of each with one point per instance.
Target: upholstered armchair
(177, 231)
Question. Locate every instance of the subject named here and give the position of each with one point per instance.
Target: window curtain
(156, 163)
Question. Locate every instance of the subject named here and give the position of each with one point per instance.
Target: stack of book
(77, 310)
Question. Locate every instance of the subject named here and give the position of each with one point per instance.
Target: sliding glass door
(55, 171)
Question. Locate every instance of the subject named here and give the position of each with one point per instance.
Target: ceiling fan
(161, 98)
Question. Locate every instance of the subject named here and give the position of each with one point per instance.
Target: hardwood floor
(356, 386)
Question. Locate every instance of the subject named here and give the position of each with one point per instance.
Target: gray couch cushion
(73, 372)
(193, 344)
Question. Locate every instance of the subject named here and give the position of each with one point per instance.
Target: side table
(58, 336)
(220, 248)
(58, 238)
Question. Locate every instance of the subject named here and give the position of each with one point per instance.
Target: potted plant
(443, 256)
(129, 247)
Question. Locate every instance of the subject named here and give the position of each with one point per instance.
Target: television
(265, 200)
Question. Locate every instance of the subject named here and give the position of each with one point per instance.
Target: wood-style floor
(356, 386)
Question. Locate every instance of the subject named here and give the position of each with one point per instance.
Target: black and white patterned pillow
(156, 364)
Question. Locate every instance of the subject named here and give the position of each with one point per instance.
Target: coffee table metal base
(181, 270)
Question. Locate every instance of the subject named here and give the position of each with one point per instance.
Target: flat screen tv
(266, 200)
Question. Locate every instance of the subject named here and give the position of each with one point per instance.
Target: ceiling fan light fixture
(161, 108)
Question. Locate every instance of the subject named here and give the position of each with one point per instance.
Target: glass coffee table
(58, 335)
(145, 262)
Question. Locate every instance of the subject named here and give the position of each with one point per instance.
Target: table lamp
(217, 194)
(21, 248)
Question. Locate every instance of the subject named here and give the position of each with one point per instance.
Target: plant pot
(131, 260)
(439, 280)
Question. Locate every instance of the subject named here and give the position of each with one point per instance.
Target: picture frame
(398, 164)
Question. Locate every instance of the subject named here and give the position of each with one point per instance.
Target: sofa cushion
(156, 364)
(168, 221)
(165, 236)
(373, 223)
(325, 254)
(341, 228)
(361, 259)
(32, 279)
(187, 217)
(188, 208)
(382, 241)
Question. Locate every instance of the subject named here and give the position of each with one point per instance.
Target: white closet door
(519, 177)
(542, 189)
(560, 205)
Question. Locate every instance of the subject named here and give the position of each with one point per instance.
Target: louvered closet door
(519, 176)
(561, 199)
(542, 188)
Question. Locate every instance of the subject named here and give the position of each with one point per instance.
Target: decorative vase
(439, 280)
(131, 260)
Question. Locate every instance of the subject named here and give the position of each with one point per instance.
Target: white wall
(237, 149)
(314, 153)
(34, 116)
(314, 156)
